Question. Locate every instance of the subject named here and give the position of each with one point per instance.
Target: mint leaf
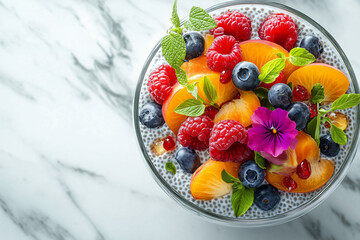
(311, 127)
(260, 160)
(228, 178)
(323, 111)
(173, 49)
(338, 135)
(280, 55)
(174, 16)
(275, 168)
(199, 20)
(242, 199)
(169, 166)
(193, 89)
(346, 101)
(209, 90)
(271, 70)
(317, 93)
(261, 93)
(301, 57)
(325, 119)
(181, 75)
(190, 107)
(291, 85)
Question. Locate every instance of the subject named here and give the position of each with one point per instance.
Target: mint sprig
(210, 90)
(173, 49)
(191, 107)
(297, 56)
(199, 20)
(262, 94)
(170, 167)
(174, 16)
(242, 197)
(317, 93)
(260, 160)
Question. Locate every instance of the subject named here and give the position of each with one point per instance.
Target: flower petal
(261, 116)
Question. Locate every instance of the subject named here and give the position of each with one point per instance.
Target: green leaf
(271, 70)
(174, 16)
(209, 90)
(280, 55)
(193, 89)
(313, 128)
(338, 135)
(261, 93)
(275, 168)
(325, 119)
(191, 107)
(301, 57)
(173, 49)
(323, 111)
(346, 101)
(199, 20)
(169, 166)
(317, 93)
(228, 178)
(260, 160)
(181, 75)
(265, 103)
(291, 85)
(242, 199)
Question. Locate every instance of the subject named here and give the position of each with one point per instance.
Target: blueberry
(245, 76)
(266, 197)
(299, 113)
(250, 174)
(328, 146)
(280, 95)
(151, 115)
(187, 158)
(312, 44)
(195, 45)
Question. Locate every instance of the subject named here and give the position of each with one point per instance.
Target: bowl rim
(332, 184)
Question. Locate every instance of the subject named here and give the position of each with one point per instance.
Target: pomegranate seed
(313, 109)
(225, 76)
(300, 93)
(219, 31)
(211, 111)
(169, 143)
(304, 169)
(237, 96)
(289, 183)
(338, 119)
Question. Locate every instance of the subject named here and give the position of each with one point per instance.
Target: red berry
(289, 183)
(300, 93)
(303, 170)
(237, 96)
(279, 28)
(279, 79)
(313, 109)
(195, 132)
(228, 142)
(169, 143)
(217, 32)
(211, 111)
(225, 76)
(235, 24)
(223, 54)
(160, 83)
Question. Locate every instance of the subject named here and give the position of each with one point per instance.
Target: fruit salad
(247, 112)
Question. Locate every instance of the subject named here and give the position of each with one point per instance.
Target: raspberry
(279, 28)
(217, 32)
(313, 109)
(279, 79)
(223, 54)
(160, 83)
(235, 24)
(195, 132)
(300, 93)
(228, 142)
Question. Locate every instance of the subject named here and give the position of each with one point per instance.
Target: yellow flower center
(274, 131)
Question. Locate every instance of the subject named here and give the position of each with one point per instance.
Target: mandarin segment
(333, 80)
(208, 41)
(206, 182)
(306, 148)
(196, 66)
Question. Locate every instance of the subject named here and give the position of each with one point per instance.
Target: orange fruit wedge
(333, 80)
(206, 182)
(197, 66)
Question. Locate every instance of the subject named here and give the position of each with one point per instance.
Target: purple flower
(272, 131)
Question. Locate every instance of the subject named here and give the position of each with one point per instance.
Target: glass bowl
(320, 194)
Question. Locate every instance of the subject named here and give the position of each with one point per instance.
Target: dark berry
(312, 44)
(313, 109)
(303, 170)
(195, 45)
(250, 174)
(299, 113)
(300, 93)
(245, 76)
(169, 143)
(187, 158)
(328, 146)
(266, 197)
(151, 115)
(289, 183)
(280, 95)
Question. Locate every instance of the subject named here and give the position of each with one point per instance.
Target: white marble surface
(69, 165)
